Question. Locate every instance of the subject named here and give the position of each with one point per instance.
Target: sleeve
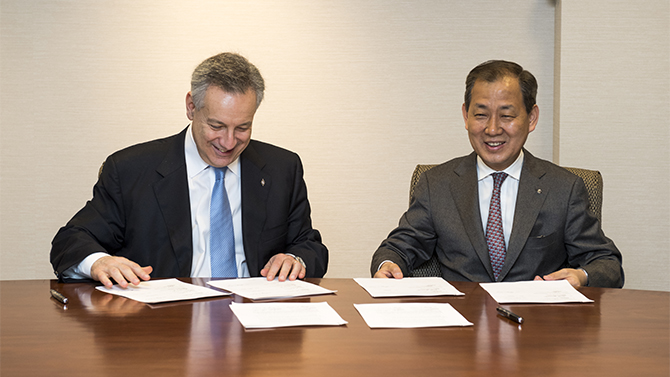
(98, 227)
(303, 240)
(586, 244)
(413, 241)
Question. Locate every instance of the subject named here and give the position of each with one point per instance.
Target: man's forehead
(503, 86)
(506, 80)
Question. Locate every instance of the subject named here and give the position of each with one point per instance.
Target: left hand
(283, 266)
(577, 278)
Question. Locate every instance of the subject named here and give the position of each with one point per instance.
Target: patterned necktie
(221, 236)
(495, 238)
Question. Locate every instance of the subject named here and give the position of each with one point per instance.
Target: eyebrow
(218, 122)
(504, 107)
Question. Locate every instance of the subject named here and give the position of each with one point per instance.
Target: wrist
(584, 282)
(302, 262)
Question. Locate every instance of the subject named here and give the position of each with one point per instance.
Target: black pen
(58, 296)
(509, 315)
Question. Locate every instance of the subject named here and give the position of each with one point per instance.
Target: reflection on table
(624, 332)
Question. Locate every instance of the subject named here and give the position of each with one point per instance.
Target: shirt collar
(194, 163)
(513, 170)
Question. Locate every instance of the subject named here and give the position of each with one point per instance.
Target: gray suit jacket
(140, 210)
(553, 227)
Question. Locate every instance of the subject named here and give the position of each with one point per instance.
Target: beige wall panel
(614, 101)
(362, 90)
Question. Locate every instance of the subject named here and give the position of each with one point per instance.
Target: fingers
(389, 270)
(119, 269)
(283, 266)
(576, 278)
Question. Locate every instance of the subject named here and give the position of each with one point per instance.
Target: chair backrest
(594, 188)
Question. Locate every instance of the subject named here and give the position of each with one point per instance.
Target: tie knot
(220, 173)
(498, 179)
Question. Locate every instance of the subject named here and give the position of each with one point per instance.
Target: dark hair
(231, 72)
(494, 70)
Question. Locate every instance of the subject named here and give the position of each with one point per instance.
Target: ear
(533, 118)
(190, 106)
(465, 116)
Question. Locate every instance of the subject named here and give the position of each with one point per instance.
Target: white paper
(262, 289)
(411, 315)
(534, 292)
(164, 290)
(285, 314)
(423, 286)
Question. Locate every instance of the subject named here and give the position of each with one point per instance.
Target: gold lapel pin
(262, 182)
(539, 191)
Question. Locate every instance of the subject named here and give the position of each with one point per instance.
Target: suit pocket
(542, 241)
(274, 238)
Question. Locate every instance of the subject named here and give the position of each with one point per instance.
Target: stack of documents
(155, 291)
(410, 315)
(279, 314)
(534, 292)
(262, 289)
(428, 286)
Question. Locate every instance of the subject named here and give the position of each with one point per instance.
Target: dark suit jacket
(553, 227)
(140, 210)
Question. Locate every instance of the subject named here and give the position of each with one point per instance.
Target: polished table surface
(623, 333)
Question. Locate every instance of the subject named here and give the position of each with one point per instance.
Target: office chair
(594, 188)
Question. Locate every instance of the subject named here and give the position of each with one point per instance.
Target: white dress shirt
(201, 180)
(508, 193)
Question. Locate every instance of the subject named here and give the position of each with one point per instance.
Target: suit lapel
(530, 197)
(465, 191)
(173, 199)
(256, 185)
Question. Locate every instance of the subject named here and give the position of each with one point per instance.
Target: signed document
(279, 314)
(262, 289)
(534, 292)
(423, 286)
(163, 290)
(411, 315)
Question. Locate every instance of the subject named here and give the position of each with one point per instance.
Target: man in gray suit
(501, 214)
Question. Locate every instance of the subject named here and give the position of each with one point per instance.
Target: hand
(577, 278)
(283, 265)
(389, 270)
(120, 269)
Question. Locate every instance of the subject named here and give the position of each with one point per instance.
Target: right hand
(389, 270)
(120, 269)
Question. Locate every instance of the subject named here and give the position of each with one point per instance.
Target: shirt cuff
(83, 269)
(382, 263)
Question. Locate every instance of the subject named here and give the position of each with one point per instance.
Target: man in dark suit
(150, 211)
(501, 214)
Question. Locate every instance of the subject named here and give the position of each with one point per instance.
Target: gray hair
(231, 72)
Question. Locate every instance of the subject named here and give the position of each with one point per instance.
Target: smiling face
(497, 121)
(222, 127)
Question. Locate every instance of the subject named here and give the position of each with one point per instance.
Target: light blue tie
(221, 236)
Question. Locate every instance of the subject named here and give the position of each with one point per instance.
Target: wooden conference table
(624, 333)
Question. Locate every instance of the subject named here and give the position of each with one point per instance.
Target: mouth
(494, 144)
(221, 150)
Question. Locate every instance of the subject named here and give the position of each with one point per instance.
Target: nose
(493, 127)
(227, 138)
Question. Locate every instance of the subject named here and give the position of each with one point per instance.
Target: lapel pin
(262, 182)
(539, 191)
